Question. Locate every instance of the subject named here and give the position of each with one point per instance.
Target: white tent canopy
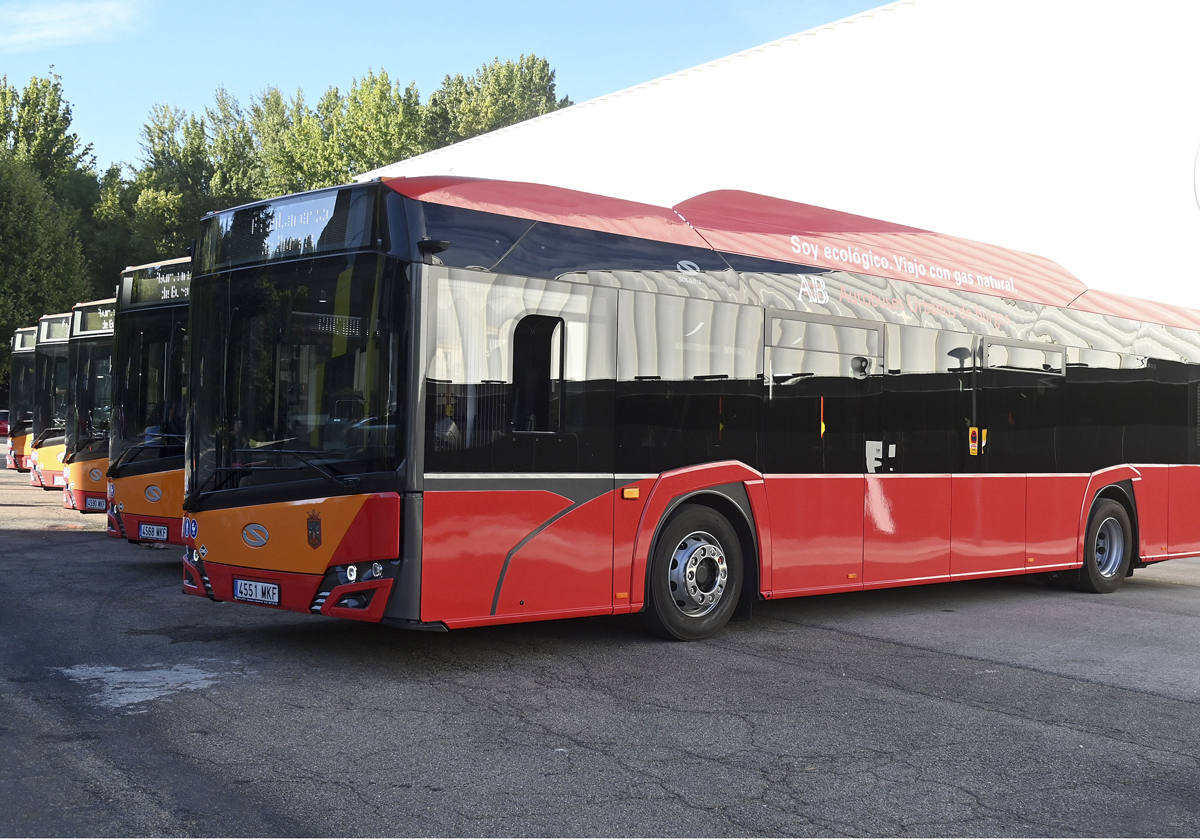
(1067, 128)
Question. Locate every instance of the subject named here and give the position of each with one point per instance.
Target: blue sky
(117, 58)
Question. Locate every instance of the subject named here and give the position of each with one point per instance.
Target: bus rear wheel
(1108, 548)
(695, 575)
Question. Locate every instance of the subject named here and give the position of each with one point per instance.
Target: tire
(1107, 549)
(695, 575)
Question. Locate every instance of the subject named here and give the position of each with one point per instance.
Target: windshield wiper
(83, 444)
(133, 451)
(304, 457)
(46, 433)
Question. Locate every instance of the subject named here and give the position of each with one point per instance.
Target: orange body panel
(18, 452)
(153, 499)
(352, 528)
(47, 466)
(86, 487)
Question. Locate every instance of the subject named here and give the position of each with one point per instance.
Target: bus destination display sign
(160, 287)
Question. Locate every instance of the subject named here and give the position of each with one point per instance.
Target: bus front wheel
(1108, 547)
(695, 575)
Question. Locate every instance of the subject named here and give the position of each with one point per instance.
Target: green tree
(237, 171)
(499, 94)
(173, 186)
(380, 123)
(42, 267)
(35, 128)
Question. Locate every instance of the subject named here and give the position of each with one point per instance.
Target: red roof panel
(551, 204)
(1136, 309)
(773, 228)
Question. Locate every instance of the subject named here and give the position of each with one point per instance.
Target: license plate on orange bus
(256, 592)
(152, 532)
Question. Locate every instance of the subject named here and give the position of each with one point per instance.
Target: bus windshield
(89, 408)
(20, 394)
(50, 398)
(298, 375)
(150, 415)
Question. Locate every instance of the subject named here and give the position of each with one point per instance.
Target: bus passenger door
(927, 411)
(1017, 407)
(822, 377)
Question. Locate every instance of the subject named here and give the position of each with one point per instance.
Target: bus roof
(155, 264)
(772, 228)
(554, 205)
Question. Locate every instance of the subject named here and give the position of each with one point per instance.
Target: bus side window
(537, 374)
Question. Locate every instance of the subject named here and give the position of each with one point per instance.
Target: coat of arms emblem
(314, 529)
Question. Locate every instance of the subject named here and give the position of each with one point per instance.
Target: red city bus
(51, 383)
(89, 406)
(20, 397)
(145, 474)
(446, 402)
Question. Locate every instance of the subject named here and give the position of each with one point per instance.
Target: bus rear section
(21, 389)
(453, 403)
(47, 449)
(89, 406)
(145, 473)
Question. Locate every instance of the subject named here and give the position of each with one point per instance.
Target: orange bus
(89, 406)
(51, 383)
(145, 473)
(20, 397)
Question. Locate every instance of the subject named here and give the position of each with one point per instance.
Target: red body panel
(816, 528)
(1183, 524)
(567, 568)
(132, 522)
(296, 590)
(1052, 520)
(1150, 493)
(627, 513)
(467, 536)
(373, 534)
(987, 524)
(78, 500)
(907, 530)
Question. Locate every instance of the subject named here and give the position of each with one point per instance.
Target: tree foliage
(69, 230)
(42, 267)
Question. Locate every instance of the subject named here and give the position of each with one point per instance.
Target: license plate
(58, 480)
(95, 504)
(256, 592)
(152, 532)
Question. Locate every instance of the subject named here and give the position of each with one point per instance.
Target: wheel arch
(1122, 493)
(732, 503)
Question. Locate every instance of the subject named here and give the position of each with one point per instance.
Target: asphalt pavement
(996, 708)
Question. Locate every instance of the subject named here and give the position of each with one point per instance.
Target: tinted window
(689, 387)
